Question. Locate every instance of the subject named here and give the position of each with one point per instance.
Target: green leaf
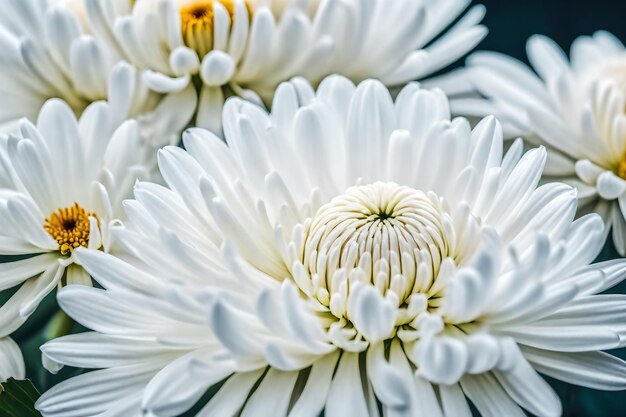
(17, 399)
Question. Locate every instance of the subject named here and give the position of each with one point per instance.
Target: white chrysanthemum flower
(341, 251)
(575, 108)
(62, 183)
(247, 47)
(11, 360)
(49, 51)
(46, 54)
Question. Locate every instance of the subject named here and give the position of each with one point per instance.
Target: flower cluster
(256, 198)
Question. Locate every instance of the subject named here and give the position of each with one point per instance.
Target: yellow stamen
(69, 227)
(197, 19)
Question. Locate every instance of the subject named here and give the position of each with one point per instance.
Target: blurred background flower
(510, 25)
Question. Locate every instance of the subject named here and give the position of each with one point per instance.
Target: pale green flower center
(382, 234)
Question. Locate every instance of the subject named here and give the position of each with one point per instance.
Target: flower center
(383, 234)
(197, 21)
(69, 227)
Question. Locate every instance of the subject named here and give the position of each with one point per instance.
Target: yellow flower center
(197, 19)
(69, 227)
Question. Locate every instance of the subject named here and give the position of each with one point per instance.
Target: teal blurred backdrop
(511, 23)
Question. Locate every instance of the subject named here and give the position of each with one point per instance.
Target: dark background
(510, 24)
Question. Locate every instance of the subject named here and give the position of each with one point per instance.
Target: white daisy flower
(340, 251)
(11, 360)
(48, 51)
(247, 47)
(62, 182)
(576, 108)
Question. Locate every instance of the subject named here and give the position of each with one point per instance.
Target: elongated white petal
(489, 397)
(14, 273)
(346, 392)
(597, 370)
(102, 351)
(276, 385)
(94, 392)
(527, 388)
(232, 395)
(11, 360)
(166, 395)
(313, 397)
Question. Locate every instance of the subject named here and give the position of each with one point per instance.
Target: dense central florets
(70, 227)
(197, 22)
(386, 235)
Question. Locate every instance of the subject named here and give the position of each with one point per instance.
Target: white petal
(588, 171)
(232, 395)
(88, 60)
(95, 350)
(372, 314)
(24, 302)
(346, 395)
(161, 83)
(389, 387)
(184, 61)
(371, 119)
(210, 109)
(441, 359)
(546, 56)
(76, 275)
(453, 401)
(11, 360)
(569, 338)
(610, 186)
(217, 68)
(489, 397)
(313, 398)
(529, 390)
(94, 392)
(276, 385)
(13, 273)
(171, 116)
(597, 370)
(111, 272)
(467, 294)
(177, 387)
